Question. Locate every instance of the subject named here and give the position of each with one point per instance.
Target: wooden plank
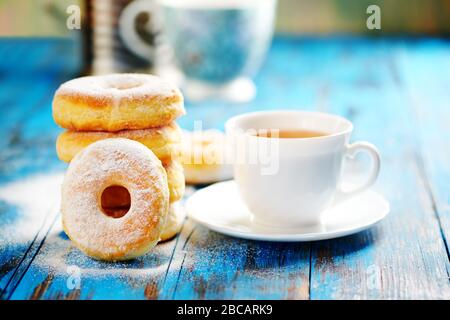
(14, 105)
(213, 266)
(51, 274)
(404, 257)
(426, 79)
(203, 264)
(26, 232)
(367, 265)
(25, 100)
(13, 219)
(165, 273)
(288, 80)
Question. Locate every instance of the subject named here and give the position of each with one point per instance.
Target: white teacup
(305, 176)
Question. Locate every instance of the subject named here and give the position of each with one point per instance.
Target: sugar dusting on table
(37, 196)
(32, 198)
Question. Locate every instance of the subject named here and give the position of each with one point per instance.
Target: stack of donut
(120, 193)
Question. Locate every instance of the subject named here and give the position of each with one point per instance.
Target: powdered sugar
(114, 162)
(174, 221)
(33, 198)
(119, 86)
(58, 253)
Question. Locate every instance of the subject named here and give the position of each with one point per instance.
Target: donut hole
(123, 84)
(115, 201)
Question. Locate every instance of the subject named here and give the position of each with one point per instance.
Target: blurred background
(393, 83)
(47, 17)
(168, 38)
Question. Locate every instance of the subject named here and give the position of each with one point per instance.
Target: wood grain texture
(427, 86)
(28, 78)
(214, 266)
(405, 256)
(395, 95)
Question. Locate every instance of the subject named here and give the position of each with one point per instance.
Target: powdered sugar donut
(204, 157)
(175, 179)
(163, 141)
(116, 198)
(106, 163)
(174, 221)
(116, 102)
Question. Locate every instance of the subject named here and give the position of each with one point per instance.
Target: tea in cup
(304, 175)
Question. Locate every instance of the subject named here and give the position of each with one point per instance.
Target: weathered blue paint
(428, 91)
(396, 91)
(383, 262)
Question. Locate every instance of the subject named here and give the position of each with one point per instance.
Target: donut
(116, 102)
(174, 221)
(116, 208)
(116, 198)
(163, 141)
(114, 162)
(203, 157)
(175, 179)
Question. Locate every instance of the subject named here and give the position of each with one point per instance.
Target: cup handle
(127, 30)
(352, 150)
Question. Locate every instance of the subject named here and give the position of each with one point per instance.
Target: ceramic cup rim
(232, 124)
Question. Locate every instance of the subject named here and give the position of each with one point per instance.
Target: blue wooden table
(397, 92)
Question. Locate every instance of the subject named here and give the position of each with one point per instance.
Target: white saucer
(220, 208)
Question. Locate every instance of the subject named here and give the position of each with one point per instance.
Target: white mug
(305, 177)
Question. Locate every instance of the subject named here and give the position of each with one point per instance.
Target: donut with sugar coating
(116, 198)
(116, 102)
(174, 221)
(203, 155)
(163, 141)
(175, 179)
(105, 163)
